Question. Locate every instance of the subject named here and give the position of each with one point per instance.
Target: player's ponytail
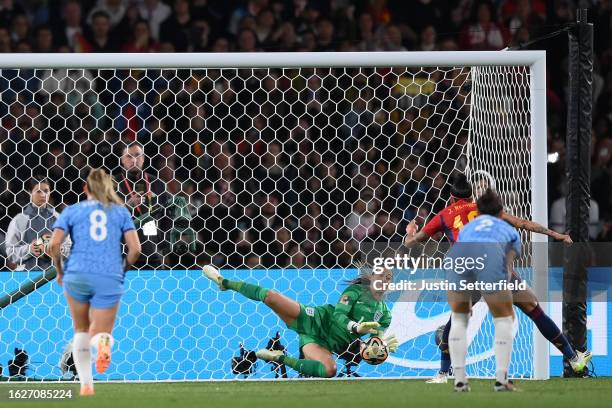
(365, 274)
(102, 188)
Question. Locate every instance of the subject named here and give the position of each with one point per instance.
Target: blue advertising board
(174, 325)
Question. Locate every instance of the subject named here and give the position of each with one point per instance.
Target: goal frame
(535, 60)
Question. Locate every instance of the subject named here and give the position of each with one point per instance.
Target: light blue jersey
(487, 228)
(94, 269)
(481, 250)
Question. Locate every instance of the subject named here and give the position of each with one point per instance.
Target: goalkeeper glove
(392, 343)
(364, 327)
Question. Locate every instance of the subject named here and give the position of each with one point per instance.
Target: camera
(182, 236)
(245, 362)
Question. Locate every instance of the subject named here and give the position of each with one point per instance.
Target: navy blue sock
(445, 361)
(551, 331)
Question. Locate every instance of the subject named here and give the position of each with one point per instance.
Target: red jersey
(451, 219)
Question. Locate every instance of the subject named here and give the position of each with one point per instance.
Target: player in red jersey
(450, 220)
(462, 210)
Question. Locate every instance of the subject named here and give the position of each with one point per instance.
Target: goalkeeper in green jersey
(323, 330)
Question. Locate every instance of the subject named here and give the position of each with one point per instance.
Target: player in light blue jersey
(93, 274)
(482, 260)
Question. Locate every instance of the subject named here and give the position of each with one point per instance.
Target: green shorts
(309, 326)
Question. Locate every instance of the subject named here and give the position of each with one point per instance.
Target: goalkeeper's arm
(342, 310)
(389, 339)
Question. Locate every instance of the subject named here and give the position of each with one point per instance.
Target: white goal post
(501, 95)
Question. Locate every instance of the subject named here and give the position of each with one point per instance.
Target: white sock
(96, 338)
(457, 345)
(503, 347)
(81, 354)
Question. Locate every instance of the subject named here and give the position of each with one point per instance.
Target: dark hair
(100, 13)
(141, 21)
(36, 180)
(131, 144)
(490, 203)
(461, 187)
(43, 27)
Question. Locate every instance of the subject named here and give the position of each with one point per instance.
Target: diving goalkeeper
(323, 330)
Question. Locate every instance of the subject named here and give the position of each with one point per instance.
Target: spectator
(221, 45)
(285, 38)
(71, 31)
(23, 47)
(155, 12)
(5, 40)
(143, 193)
(28, 232)
(308, 42)
(252, 9)
(393, 39)
(126, 26)
(247, 41)
(8, 10)
(523, 15)
(166, 47)
(483, 33)
(101, 39)
(179, 29)
(428, 39)
(448, 44)
(366, 33)
(215, 13)
(20, 28)
(379, 11)
(114, 9)
(44, 39)
(558, 213)
(325, 31)
(265, 26)
(141, 39)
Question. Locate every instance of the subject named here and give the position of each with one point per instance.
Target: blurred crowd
(280, 167)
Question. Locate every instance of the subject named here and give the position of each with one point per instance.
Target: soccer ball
(44, 242)
(374, 351)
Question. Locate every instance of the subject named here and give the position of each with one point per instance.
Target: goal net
(279, 169)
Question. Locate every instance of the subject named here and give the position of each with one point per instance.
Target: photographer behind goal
(146, 197)
(162, 220)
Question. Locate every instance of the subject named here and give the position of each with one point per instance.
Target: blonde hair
(102, 187)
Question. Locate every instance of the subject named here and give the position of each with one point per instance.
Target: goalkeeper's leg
(317, 361)
(527, 301)
(287, 309)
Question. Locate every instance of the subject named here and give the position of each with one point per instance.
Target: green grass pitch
(554, 393)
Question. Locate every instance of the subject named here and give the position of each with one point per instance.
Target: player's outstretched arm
(535, 227)
(412, 236)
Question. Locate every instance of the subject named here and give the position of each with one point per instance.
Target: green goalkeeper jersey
(330, 324)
